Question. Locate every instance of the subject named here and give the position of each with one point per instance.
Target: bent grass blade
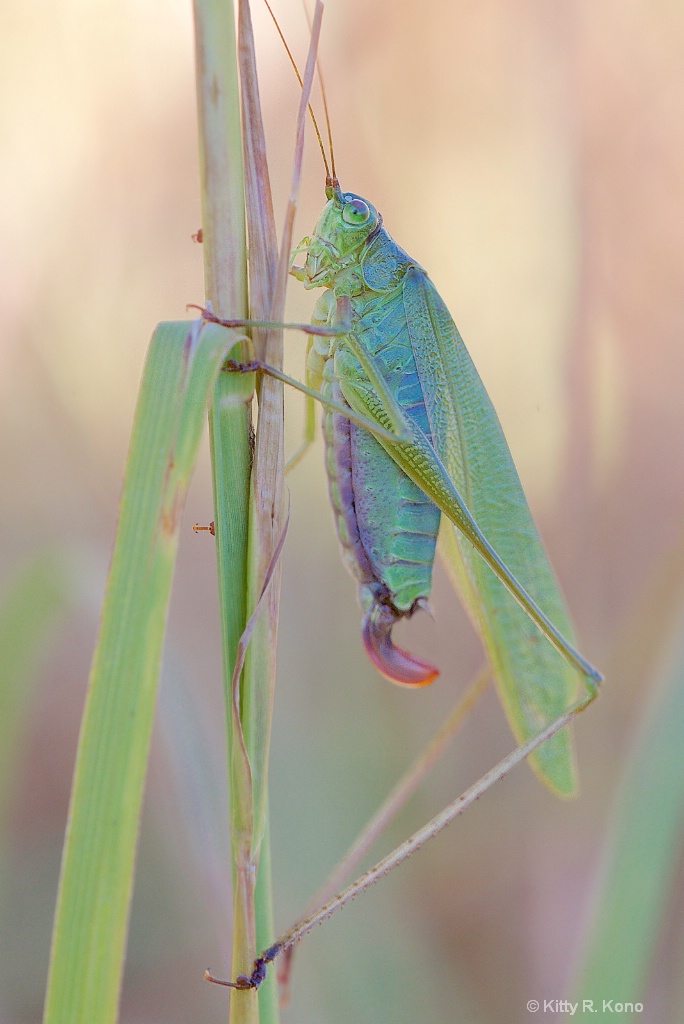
(89, 937)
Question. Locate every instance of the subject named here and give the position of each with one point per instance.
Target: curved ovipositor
(394, 663)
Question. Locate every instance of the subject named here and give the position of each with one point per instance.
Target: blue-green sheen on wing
(470, 442)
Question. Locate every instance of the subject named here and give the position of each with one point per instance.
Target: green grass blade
(97, 870)
(225, 278)
(220, 153)
(643, 852)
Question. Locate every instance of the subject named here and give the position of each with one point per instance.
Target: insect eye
(356, 212)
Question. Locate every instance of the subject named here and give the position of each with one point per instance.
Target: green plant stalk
(250, 692)
(91, 919)
(253, 700)
(267, 532)
(225, 273)
(225, 261)
(252, 732)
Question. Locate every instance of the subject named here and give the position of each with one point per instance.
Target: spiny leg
(233, 366)
(272, 325)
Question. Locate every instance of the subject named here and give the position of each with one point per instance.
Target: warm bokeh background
(531, 157)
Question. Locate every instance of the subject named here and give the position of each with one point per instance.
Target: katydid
(403, 365)
(414, 449)
(412, 439)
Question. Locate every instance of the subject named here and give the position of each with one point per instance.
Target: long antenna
(313, 116)
(324, 97)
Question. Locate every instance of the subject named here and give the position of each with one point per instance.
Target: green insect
(415, 454)
(401, 365)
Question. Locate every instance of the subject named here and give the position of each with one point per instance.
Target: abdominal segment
(388, 531)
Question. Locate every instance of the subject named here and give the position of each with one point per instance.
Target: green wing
(492, 552)
(536, 683)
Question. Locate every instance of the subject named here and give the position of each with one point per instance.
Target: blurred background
(530, 156)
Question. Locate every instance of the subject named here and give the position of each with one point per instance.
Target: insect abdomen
(387, 526)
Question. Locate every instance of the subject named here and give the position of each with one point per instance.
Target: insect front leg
(322, 346)
(309, 421)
